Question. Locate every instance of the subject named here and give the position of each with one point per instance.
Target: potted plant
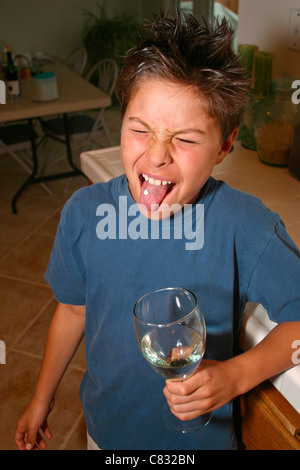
(104, 36)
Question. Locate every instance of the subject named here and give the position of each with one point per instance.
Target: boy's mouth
(153, 191)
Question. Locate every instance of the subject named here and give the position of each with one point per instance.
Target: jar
(274, 124)
(45, 86)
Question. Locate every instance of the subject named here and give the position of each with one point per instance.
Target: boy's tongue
(152, 195)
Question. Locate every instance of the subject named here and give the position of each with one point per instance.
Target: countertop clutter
(280, 192)
(74, 94)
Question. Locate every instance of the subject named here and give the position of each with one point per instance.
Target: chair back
(105, 72)
(77, 60)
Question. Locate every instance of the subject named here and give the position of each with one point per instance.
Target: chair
(15, 138)
(77, 60)
(83, 126)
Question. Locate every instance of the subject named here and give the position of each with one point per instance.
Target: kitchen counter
(279, 191)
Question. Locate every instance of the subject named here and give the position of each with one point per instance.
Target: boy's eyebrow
(140, 121)
(179, 131)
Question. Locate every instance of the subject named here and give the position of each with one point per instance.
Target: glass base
(184, 427)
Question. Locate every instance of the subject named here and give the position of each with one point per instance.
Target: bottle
(3, 62)
(12, 79)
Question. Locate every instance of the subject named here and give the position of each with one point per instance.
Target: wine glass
(171, 333)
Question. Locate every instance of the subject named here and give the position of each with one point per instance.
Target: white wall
(265, 23)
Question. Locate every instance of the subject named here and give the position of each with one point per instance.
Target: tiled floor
(27, 302)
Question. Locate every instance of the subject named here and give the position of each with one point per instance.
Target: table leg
(30, 179)
(33, 179)
(67, 142)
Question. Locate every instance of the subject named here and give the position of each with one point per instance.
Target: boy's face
(169, 146)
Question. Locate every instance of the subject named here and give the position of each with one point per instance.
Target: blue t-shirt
(103, 258)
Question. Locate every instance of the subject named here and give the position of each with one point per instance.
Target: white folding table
(75, 94)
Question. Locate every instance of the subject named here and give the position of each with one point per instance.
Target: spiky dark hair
(180, 49)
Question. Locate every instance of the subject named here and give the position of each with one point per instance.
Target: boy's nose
(159, 154)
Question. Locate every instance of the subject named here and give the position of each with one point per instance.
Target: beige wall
(266, 23)
(50, 26)
(54, 26)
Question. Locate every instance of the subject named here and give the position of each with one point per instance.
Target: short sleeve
(275, 281)
(66, 269)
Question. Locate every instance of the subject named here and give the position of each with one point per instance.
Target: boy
(182, 92)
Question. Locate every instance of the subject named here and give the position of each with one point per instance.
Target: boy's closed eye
(180, 139)
(139, 131)
(186, 141)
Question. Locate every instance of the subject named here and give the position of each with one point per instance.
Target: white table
(75, 94)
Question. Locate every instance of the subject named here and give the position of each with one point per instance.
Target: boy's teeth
(155, 181)
(153, 192)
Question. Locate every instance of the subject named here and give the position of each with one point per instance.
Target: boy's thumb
(30, 440)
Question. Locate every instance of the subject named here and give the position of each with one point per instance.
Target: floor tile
(29, 259)
(50, 226)
(9, 239)
(34, 339)
(11, 177)
(18, 377)
(34, 207)
(77, 439)
(21, 303)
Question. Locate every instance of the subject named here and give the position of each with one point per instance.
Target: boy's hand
(213, 385)
(217, 382)
(65, 333)
(34, 419)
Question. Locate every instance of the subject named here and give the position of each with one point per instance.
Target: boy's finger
(46, 430)
(30, 439)
(48, 433)
(19, 440)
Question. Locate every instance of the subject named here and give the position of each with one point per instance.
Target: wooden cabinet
(268, 421)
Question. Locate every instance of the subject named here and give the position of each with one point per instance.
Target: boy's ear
(226, 146)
